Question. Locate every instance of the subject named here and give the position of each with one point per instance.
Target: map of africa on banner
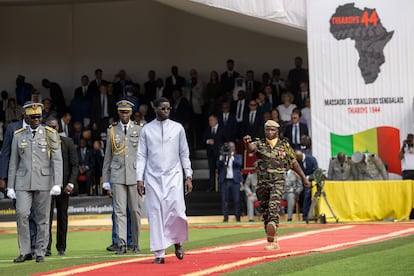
(361, 68)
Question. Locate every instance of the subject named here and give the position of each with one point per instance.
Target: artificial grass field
(87, 245)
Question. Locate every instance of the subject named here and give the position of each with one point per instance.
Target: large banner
(361, 70)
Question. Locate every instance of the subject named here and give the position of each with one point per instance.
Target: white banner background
(334, 74)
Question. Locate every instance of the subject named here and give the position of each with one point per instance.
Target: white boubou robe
(162, 156)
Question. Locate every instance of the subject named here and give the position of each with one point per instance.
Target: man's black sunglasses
(165, 108)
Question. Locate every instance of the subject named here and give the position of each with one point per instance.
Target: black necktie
(295, 133)
(125, 129)
(34, 133)
(239, 111)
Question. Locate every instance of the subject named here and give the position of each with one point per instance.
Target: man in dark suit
(229, 123)
(56, 94)
(86, 166)
(229, 168)
(253, 121)
(308, 165)
(120, 85)
(70, 175)
(302, 94)
(93, 88)
(252, 86)
(295, 131)
(4, 102)
(227, 79)
(297, 74)
(102, 108)
(65, 125)
(214, 139)
(181, 108)
(173, 81)
(150, 87)
(239, 108)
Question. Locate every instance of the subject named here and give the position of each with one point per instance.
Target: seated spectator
(13, 112)
(86, 166)
(250, 185)
(340, 168)
(137, 117)
(98, 157)
(293, 188)
(367, 166)
(48, 110)
(294, 131)
(286, 108)
(77, 132)
(263, 105)
(80, 108)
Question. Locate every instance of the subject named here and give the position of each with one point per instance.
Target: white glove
(56, 189)
(11, 193)
(106, 186)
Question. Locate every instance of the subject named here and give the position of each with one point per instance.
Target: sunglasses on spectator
(33, 117)
(165, 108)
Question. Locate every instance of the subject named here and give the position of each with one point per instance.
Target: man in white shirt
(163, 161)
(406, 156)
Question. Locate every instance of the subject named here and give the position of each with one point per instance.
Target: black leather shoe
(112, 247)
(40, 259)
(48, 253)
(121, 250)
(22, 258)
(61, 253)
(179, 251)
(134, 249)
(158, 261)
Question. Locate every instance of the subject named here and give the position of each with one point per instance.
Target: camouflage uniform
(271, 166)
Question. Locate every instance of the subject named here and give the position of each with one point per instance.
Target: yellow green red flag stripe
(384, 141)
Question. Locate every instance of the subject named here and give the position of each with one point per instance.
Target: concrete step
(198, 154)
(201, 174)
(197, 164)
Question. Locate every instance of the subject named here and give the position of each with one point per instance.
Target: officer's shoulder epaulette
(48, 128)
(19, 130)
(113, 124)
(141, 124)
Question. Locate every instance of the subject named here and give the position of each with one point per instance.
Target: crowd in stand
(240, 104)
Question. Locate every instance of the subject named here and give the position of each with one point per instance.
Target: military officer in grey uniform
(119, 169)
(368, 167)
(340, 168)
(35, 173)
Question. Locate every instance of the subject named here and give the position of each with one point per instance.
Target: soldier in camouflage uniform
(274, 158)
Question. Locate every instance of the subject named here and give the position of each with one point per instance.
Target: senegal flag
(383, 141)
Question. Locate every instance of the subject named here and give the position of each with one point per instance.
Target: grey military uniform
(119, 168)
(35, 166)
(372, 168)
(340, 171)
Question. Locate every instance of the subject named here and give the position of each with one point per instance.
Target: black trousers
(408, 174)
(62, 202)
